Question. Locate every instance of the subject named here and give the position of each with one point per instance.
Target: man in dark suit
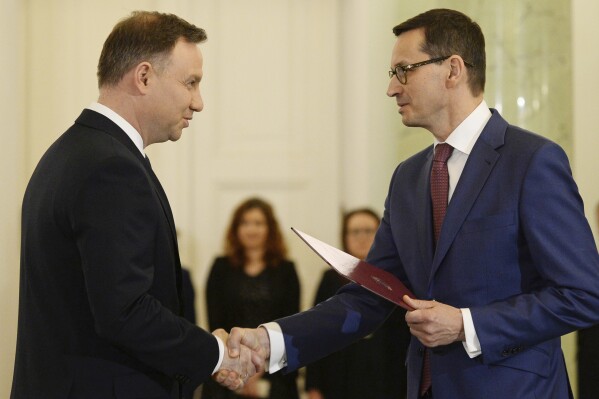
(502, 272)
(100, 294)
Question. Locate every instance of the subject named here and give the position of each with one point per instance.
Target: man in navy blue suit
(513, 265)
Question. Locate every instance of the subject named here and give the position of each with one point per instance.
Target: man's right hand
(237, 367)
(240, 343)
(254, 338)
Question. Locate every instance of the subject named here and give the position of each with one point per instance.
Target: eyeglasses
(401, 71)
(358, 231)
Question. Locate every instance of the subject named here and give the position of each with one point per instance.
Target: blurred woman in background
(373, 367)
(252, 284)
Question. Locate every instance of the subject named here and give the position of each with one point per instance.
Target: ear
(457, 71)
(142, 74)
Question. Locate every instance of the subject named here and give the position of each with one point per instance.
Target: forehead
(253, 213)
(186, 58)
(407, 47)
(361, 219)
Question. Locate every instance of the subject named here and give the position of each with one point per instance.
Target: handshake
(246, 353)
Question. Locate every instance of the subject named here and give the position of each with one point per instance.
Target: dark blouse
(235, 299)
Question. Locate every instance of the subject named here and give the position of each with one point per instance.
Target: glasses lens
(364, 231)
(401, 75)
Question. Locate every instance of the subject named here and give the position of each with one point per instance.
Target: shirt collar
(465, 135)
(120, 122)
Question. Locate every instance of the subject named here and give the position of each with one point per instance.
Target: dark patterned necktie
(439, 195)
(440, 186)
(147, 162)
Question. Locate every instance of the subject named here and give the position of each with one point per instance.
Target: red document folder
(377, 280)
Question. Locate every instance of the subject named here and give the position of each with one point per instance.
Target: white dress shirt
(462, 139)
(120, 122)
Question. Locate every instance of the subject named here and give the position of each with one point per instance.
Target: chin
(176, 136)
(407, 121)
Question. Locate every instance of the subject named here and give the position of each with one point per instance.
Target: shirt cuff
(278, 356)
(472, 344)
(221, 353)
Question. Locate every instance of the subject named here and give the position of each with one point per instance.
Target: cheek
(352, 243)
(263, 231)
(176, 99)
(241, 232)
(183, 99)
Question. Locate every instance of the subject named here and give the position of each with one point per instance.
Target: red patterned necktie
(440, 186)
(439, 195)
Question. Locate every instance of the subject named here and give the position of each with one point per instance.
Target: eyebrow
(403, 63)
(194, 76)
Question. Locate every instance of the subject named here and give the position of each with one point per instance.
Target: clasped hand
(247, 351)
(434, 323)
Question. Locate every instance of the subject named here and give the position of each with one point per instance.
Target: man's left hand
(434, 323)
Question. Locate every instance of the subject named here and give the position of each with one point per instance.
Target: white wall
(12, 178)
(585, 103)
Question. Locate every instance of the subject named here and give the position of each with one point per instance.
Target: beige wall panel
(269, 126)
(12, 177)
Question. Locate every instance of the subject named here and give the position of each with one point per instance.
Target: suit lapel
(98, 121)
(480, 163)
(162, 197)
(171, 221)
(425, 212)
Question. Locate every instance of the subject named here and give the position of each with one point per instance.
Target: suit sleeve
(352, 313)
(557, 257)
(316, 372)
(115, 220)
(332, 325)
(330, 283)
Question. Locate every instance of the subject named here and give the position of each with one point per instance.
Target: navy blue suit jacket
(100, 292)
(515, 248)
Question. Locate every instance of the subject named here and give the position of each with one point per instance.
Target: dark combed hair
(348, 215)
(449, 32)
(143, 36)
(275, 250)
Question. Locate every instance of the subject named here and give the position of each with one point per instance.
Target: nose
(197, 103)
(394, 87)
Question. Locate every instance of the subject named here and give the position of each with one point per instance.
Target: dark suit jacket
(100, 288)
(515, 248)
